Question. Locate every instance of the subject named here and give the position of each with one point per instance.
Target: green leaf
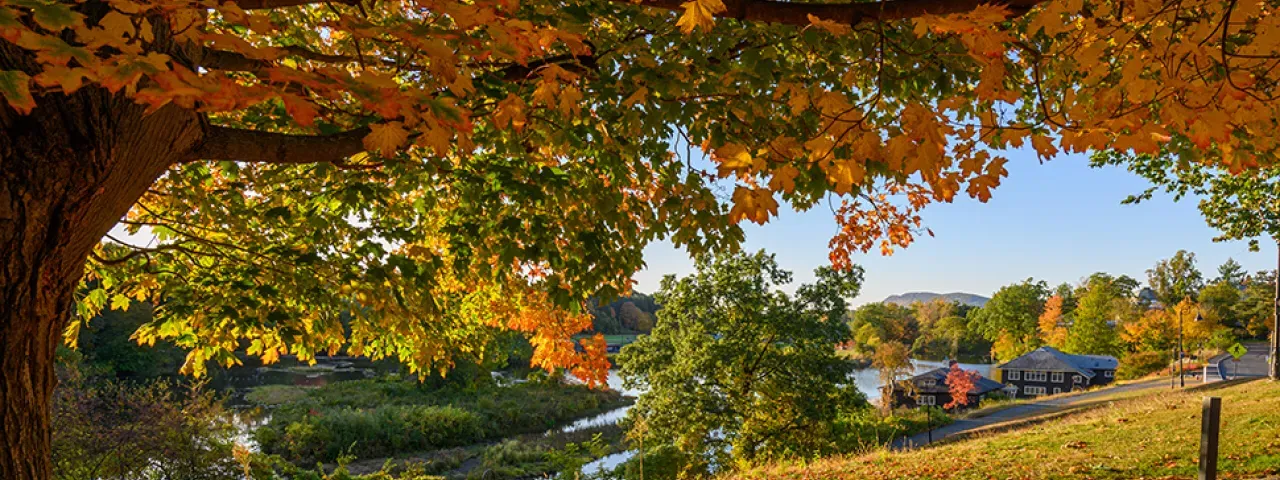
(120, 302)
(15, 87)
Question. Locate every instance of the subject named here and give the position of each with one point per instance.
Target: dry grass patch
(1155, 436)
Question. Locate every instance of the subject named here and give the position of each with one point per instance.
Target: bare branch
(223, 143)
(795, 13)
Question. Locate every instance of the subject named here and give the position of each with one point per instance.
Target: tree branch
(269, 4)
(792, 13)
(223, 143)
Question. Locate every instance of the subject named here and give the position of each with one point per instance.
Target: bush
(1141, 364)
(867, 428)
(154, 430)
(272, 395)
(381, 418)
(375, 432)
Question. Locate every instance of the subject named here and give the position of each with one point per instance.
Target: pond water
(238, 380)
(867, 380)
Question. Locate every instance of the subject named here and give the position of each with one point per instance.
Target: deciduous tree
(442, 168)
(736, 362)
(1053, 323)
(960, 383)
(1175, 279)
(1012, 317)
(892, 360)
(1093, 327)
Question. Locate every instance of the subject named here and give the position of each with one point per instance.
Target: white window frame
(928, 383)
(1058, 377)
(1033, 376)
(1056, 390)
(1033, 390)
(928, 400)
(1109, 374)
(1078, 378)
(1015, 375)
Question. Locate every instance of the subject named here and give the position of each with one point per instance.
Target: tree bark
(69, 171)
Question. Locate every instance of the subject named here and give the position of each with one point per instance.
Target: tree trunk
(1273, 368)
(69, 171)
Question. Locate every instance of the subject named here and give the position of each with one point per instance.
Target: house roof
(939, 375)
(1053, 360)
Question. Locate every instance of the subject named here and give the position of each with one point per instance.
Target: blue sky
(1058, 221)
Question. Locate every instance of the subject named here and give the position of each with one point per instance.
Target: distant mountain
(908, 298)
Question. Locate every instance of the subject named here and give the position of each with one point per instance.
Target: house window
(1056, 390)
(928, 383)
(1037, 376)
(1078, 379)
(1014, 375)
(1030, 390)
(928, 400)
(1057, 377)
(1108, 374)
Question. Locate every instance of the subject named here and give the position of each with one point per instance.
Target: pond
(867, 380)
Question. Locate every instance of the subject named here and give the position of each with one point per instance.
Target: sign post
(1236, 352)
(1209, 438)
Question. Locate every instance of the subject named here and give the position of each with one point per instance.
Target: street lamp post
(1182, 381)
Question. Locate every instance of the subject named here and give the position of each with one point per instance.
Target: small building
(1049, 371)
(931, 389)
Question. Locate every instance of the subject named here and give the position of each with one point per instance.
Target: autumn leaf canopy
(408, 177)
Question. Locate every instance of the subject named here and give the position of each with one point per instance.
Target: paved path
(1253, 363)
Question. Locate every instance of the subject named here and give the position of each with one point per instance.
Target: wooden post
(1209, 438)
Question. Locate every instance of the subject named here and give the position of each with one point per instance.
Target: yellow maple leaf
(67, 79)
(1044, 146)
(385, 138)
(784, 178)
(636, 97)
(755, 204)
(733, 158)
(699, 13)
(836, 28)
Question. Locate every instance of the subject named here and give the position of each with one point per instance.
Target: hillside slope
(1155, 436)
(906, 299)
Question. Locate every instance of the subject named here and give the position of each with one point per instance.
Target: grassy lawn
(1156, 436)
(619, 339)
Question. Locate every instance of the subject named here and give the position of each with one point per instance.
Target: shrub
(867, 428)
(374, 432)
(386, 417)
(154, 430)
(1141, 364)
(272, 395)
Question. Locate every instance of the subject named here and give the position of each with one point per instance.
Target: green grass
(386, 417)
(1153, 436)
(272, 395)
(616, 339)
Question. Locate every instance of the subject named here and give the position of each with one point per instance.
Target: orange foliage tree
(298, 158)
(960, 383)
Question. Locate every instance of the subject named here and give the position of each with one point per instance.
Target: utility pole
(1182, 379)
(1273, 367)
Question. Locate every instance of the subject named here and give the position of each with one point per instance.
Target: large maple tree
(438, 170)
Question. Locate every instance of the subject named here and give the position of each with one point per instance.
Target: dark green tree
(738, 372)
(1011, 318)
(1093, 330)
(1233, 273)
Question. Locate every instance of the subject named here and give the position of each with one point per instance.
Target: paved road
(1252, 363)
